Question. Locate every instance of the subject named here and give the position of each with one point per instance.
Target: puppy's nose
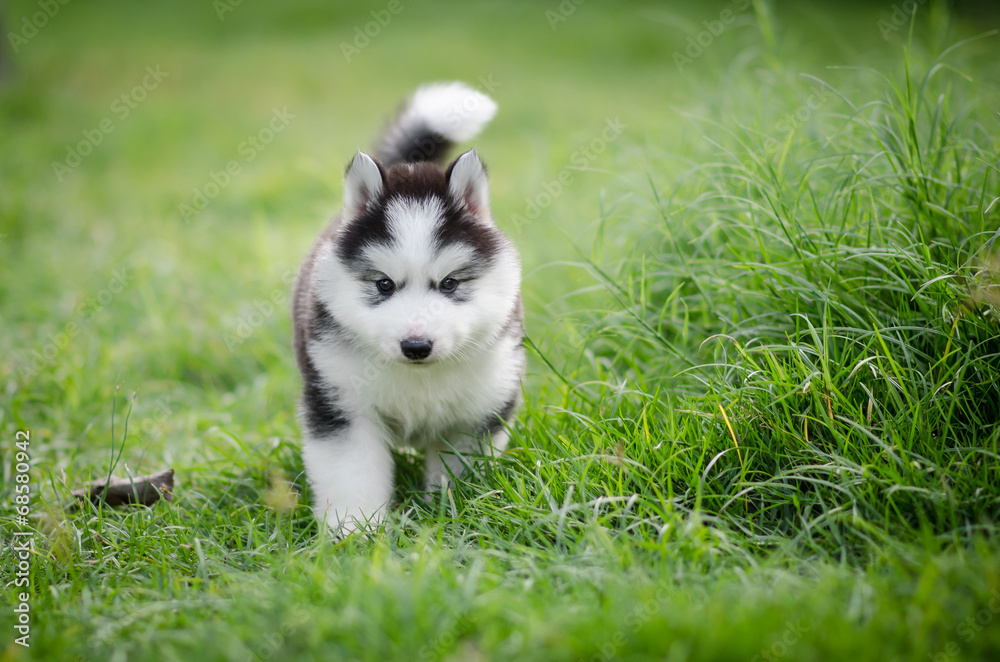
(416, 348)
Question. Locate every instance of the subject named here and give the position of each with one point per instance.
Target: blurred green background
(115, 116)
(558, 72)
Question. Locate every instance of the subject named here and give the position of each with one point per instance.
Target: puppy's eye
(385, 286)
(448, 284)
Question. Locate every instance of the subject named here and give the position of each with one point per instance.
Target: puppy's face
(417, 272)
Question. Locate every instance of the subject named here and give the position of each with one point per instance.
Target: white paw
(350, 523)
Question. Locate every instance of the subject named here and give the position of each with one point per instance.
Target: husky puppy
(407, 314)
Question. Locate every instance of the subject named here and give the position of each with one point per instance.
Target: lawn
(762, 290)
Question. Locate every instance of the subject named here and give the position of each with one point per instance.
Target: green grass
(763, 411)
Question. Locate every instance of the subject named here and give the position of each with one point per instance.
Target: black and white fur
(407, 314)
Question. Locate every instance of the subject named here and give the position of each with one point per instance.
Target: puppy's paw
(437, 482)
(350, 524)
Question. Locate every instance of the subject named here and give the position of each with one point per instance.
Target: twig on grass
(144, 490)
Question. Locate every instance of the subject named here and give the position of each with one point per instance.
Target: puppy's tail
(432, 120)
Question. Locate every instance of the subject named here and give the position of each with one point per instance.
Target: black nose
(416, 348)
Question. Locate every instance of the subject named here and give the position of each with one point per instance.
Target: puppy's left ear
(467, 183)
(364, 182)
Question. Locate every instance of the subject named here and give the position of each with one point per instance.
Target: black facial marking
(459, 227)
(417, 182)
(380, 288)
(456, 286)
(460, 294)
(323, 418)
(370, 228)
(322, 323)
(495, 421)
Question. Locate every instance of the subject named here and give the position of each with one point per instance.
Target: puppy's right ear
(364, 183)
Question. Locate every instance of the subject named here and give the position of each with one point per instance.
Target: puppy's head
(417, 272)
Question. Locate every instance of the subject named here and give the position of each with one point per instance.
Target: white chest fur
(419, 403)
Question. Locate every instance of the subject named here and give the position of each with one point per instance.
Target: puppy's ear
(467, 183)
(364, 182)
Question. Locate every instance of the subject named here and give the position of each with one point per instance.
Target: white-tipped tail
(432, 119)
(453, 110)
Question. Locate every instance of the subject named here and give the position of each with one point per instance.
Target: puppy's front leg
(351, 473)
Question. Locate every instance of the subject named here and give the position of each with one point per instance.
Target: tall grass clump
(819, 321)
